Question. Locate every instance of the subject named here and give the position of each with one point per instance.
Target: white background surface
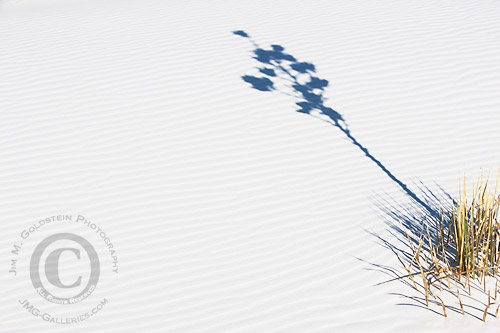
(230, 211)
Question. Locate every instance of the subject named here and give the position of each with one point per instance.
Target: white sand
(231, 211)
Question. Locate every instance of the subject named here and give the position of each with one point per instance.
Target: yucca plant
(465, 243)
(476, 230)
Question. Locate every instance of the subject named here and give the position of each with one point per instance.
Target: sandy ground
(230, 211)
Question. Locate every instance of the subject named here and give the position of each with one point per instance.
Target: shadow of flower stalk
(299, 79)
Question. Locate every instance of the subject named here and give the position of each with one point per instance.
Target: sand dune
(231, 211)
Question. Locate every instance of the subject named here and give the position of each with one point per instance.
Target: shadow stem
(384, 169)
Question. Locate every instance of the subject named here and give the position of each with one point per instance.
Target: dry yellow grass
(486, 312)
(460, 301)
(465, 244)
(475, 230)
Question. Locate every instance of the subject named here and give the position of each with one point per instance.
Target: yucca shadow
(281, 72)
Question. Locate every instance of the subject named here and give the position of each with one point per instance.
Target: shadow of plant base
(412, 235)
